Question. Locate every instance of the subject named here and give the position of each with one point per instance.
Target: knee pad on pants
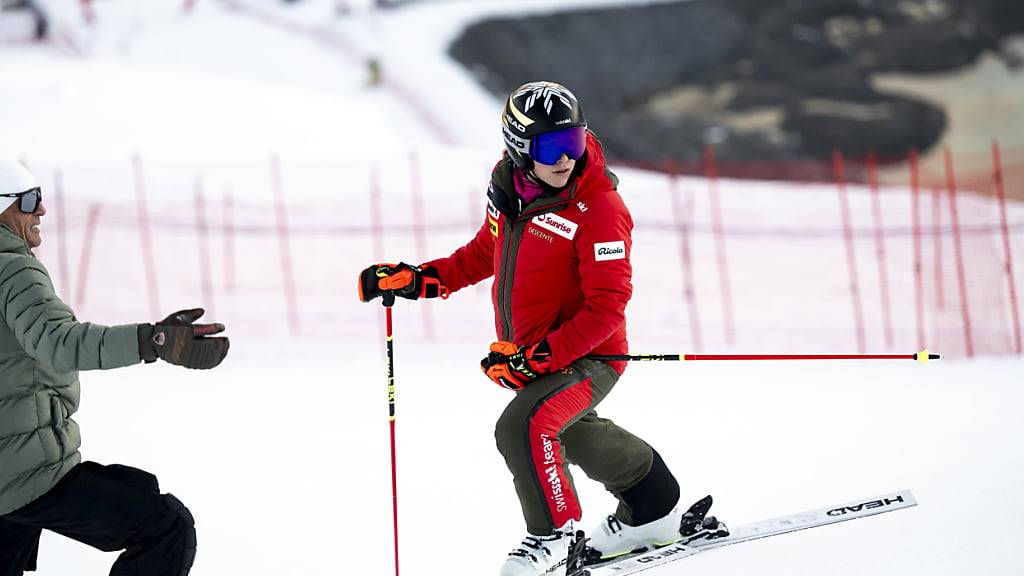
(504, 434)
(184, 527)
(653, 496)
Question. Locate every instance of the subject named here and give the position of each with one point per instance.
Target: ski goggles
(28, 201)
(548, 148)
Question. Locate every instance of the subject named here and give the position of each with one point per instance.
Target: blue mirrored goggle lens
(29, 201)
(548, 148)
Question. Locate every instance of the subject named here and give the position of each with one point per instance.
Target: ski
(635, 563)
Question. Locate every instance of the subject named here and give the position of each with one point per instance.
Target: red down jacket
(561, 263)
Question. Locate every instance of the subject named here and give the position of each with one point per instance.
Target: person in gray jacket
(43, 482)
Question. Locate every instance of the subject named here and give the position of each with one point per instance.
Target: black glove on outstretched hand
(179, 341)
(412, 282)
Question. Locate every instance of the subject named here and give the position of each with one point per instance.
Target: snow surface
(282, 453)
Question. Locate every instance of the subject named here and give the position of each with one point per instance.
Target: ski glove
(179, 341)
(400, 279)
(513, 367)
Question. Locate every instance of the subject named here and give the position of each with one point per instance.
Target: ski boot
(614, 539)
(537, 555)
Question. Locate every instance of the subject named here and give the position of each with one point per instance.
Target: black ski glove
(177, 340)
(412, 282)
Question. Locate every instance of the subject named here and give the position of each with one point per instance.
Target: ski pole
(923, 357)
(388, 301)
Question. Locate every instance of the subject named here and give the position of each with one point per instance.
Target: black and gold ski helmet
(538, 108)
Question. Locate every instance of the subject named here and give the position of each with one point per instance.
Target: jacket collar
(584, 181)
(11, 242)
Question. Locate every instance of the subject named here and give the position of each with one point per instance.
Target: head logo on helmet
(533, 109)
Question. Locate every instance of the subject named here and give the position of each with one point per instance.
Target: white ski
(762, 529)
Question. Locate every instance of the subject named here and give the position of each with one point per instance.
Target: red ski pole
(389, 300)
(922, 357)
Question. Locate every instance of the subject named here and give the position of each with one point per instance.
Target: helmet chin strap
(527, 163)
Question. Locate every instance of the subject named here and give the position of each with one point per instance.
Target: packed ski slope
(282, 453)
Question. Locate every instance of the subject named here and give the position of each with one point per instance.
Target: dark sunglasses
(28, 200)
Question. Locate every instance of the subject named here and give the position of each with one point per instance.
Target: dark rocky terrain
(772, 81)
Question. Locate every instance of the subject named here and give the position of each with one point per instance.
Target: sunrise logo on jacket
(555, 223)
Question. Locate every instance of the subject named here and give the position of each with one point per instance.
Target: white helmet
(15, 178)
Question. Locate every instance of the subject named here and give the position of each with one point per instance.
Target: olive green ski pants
(552, 423)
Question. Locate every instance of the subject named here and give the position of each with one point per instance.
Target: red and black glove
(400, 279)
(514, 367)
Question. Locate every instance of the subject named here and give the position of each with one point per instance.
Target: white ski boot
(537, 555)
(613, 538)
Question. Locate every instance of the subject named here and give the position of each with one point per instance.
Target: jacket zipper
(508, 258)
(510, 253)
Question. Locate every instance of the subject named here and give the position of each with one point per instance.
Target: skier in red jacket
(557, 239)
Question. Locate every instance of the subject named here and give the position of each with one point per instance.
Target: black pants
(109, 508)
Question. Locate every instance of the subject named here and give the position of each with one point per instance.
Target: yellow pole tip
(922, 356)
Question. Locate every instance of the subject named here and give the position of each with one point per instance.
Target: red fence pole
(419, 233)
(475, 221)
(376, 215)
(146, 239)
(84, 257)
(718, 229)
(205, 275)
(883, 274)
(961, 273)
(62, 236)
(284, 247)
(937, 261)
(997, 165)
(377, 234)
(474, 211)
(88, 13)
(681, 216)
(915, 201)
(851, 257)
(228, 224)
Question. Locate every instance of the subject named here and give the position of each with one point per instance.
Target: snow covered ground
(282, 453)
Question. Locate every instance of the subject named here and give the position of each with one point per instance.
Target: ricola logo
(557, 224)
(609, 251)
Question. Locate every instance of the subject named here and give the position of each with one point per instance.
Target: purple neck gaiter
(526, 188)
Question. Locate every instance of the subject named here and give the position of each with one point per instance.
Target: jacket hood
(595, 176)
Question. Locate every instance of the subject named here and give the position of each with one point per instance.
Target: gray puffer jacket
(42, 348)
